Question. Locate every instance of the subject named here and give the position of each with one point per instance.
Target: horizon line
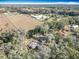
(74, 3)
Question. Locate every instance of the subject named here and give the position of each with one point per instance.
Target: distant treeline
(71, 13)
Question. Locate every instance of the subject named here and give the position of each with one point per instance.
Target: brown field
(18, 21)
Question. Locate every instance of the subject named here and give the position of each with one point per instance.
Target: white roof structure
(40, 16)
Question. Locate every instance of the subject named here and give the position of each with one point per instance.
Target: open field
(17, 21)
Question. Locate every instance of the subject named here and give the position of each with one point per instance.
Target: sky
(40, 1)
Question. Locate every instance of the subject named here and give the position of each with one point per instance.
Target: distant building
(40, 17)
(72, 27)
(75, 26)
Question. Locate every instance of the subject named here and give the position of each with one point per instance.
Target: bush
(6, 36)
(39, 29)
